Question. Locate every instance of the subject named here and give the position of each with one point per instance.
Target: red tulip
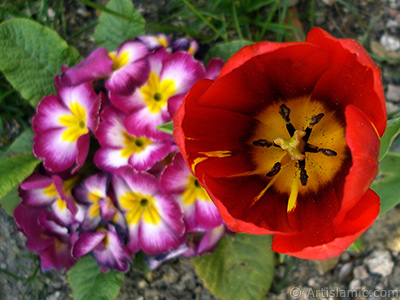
(286, 142)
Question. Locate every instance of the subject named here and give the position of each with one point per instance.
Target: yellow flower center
(299, 146)
(120, 60)
(133, 145)
(51, 191)
(75, 124)
(94, 197)
(156, 93)
(163, 42)
(194, 191)
(138, 207)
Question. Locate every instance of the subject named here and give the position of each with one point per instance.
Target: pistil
(293, 146)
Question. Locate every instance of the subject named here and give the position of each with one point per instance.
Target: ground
(372, 274)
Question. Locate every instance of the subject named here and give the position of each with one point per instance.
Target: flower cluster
(111, 184)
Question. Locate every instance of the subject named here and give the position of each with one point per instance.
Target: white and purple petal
(174, 178)
(37, 191)
(160, 238)
(144, 123)
(110, 133)
(96, 66)
(86, 97)
(152, 154)
(48, 113)
(154, 262)
(153, 42)
(134, 49)
(113, 254)
(57, 256)
(86, 242)
(125, 80)
(184, 70)
(207, 215)
(57, 154)
(214, 67)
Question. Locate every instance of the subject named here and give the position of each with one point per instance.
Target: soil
(372, 274)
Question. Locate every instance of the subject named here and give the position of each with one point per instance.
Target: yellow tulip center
(156, 93)
(139, 207)
(74, 123)
(299, 146)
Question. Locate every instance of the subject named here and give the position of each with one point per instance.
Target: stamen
(313, 149)
(308, 133)
(262, 143)
(275, 169)
(284, 111)
(315, 119)
(290, 128)
(303, 173)
(327, 152)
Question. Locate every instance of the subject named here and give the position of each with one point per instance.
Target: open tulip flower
(286, 142)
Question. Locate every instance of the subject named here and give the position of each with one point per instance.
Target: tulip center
(299, 147)
(293, 146)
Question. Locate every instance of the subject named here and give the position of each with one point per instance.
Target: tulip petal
(363, 142)
(336, 239)
(358, 79)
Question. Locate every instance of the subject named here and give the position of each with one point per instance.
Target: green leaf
(10, 201)
(387, 183)
(167, 127)
(14, 170)
(31, 55)
(392, 131)
(226, 50)
(242, 267)
(357, 246)
(112, 30)
(89, 282)
(22, 144)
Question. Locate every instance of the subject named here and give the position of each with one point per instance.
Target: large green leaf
(10, 201)
(31, 55)
(14, 170)
(387, 183)
(22, 144)
(242, 267)
(113, 30)
(88, 282)
(226, 50)
(392, 131)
